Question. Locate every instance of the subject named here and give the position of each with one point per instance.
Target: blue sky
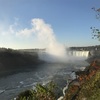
(69, 19)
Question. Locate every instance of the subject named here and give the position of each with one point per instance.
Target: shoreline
(73, 88)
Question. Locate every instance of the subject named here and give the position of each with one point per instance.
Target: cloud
(25, 32)
(42, 30)
(39, 29)
(6, 29)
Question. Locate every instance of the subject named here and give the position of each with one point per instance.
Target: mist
(44, 35)
(55, 51)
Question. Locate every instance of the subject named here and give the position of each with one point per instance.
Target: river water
(12, 85)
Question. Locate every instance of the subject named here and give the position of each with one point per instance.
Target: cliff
(88, 84)
(13, 60)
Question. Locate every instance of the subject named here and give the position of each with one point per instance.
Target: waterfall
(78, 53)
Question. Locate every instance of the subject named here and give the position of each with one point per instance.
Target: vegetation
(13, 60)
(40, 93)
(90, 90)
(89, 84)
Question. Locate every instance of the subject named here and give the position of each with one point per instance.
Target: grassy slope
(90, 89)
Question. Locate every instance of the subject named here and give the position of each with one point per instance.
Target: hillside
(88, 84)
(13, 60)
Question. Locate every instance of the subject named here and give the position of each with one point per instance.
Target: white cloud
(6, 29)
(11, 30)
(38, 28)
(43, 30)
(39, 31)
(25, 32)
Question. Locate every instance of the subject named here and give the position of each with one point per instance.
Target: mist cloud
(54, 50)
(45, 34)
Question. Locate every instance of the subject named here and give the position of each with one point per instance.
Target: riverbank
(86, 86)
(13, 61)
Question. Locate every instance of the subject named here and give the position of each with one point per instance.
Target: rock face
(87, 85)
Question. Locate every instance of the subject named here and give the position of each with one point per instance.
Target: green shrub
(91, 88)
(40, 93)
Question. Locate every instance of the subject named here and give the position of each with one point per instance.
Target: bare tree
(96, 31)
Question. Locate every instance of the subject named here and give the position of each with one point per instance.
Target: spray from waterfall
(55, 51)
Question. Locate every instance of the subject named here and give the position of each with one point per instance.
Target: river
(12, 85)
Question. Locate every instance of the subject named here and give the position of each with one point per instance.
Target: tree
(96, 31)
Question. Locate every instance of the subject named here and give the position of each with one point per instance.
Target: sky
(68, 20)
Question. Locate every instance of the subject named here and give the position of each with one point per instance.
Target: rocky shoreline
(83, 87)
